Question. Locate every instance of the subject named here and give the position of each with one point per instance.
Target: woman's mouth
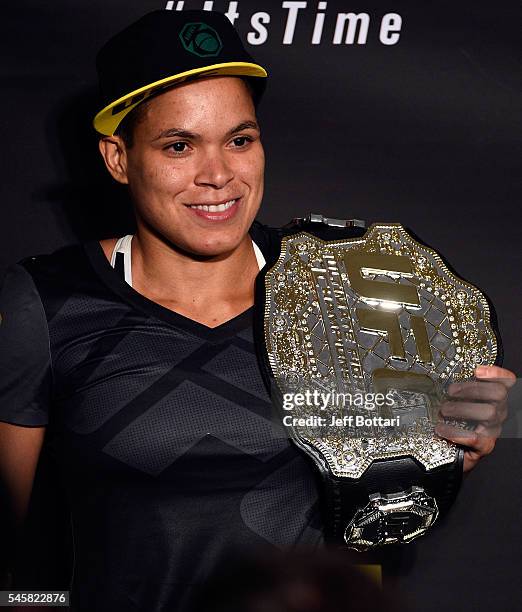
(219, 211)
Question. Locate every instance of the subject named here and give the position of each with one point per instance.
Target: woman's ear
(114, 153)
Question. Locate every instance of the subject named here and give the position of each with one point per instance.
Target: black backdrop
(426, 131)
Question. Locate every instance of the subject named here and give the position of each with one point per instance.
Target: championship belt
(377, 316)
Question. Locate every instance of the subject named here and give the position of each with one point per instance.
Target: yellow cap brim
(107, 120)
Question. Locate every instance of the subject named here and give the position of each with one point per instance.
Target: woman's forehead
(200, 102)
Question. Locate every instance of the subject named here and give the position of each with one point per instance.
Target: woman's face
(196, 167)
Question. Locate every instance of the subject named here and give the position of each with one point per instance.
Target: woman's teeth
(214, 207)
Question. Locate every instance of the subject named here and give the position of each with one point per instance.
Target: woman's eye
(178, 147)
(241, 141)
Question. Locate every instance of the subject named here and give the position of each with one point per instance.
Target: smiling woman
(156, 409)
(155, 415)
(196, 148)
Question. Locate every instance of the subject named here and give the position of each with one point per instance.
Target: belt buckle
(394, 518)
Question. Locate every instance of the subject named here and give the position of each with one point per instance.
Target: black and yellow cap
(165, 48)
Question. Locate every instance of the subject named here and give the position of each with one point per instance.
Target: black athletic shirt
(161, 429)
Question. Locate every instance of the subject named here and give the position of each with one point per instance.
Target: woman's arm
(19, 452)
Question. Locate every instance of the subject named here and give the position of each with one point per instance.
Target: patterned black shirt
(160, 428)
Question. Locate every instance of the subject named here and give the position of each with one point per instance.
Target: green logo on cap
(200, 39)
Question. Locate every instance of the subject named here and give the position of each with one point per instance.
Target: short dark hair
(128, 124)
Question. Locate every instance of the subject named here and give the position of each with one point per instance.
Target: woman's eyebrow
(181, 133)
(176, 132)
(244, 125)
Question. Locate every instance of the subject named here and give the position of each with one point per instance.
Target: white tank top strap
(261, 261)
(123, 245)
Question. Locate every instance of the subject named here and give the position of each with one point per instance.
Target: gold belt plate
(382, 311)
